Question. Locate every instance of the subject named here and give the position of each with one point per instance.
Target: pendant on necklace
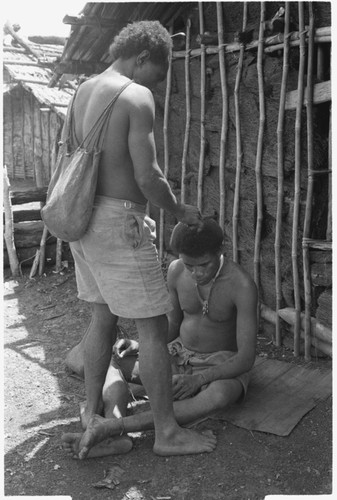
(205, 307)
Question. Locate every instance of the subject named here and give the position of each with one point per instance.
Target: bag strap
(94, 136)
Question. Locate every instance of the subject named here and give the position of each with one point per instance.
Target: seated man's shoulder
(175, 269)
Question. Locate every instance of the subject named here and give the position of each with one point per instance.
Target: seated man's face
(204, 268)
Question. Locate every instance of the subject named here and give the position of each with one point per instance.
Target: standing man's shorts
(116, 261)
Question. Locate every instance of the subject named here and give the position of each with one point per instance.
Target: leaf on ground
(112, 477)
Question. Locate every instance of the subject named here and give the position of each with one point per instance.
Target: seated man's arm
(175, 316)
(245, 300)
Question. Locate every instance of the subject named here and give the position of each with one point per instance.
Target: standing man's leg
(155, 373)
(99, 339)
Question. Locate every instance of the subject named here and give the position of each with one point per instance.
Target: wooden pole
(188, 112)
(9, 227)
(166, 149)
(236, 203)
(329, 222)
(310, 188)
(202, 109)
(271, 44)
(280, 175)
(317, 342)
(24, 168)
(258, 164)
(224, 122)
(58, 257)
(297, 181)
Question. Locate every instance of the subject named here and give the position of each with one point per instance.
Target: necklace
(205, 302)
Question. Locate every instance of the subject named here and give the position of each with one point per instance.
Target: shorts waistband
(118, 203)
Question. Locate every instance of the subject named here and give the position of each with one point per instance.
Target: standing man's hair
(139, 36)
(196, 242)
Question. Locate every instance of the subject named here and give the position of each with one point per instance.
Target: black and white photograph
(167, 250)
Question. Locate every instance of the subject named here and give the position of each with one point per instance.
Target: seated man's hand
(184, 386)
(125, 347)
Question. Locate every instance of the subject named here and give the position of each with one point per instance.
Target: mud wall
(249, 114)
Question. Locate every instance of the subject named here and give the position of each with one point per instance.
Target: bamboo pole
(224, 121)
(166, 148)
(280, 174)
(188, 111)
(9, 227)
(43, 250)
(58, 258)
(271, 44)
(310, 188)
(236, 203)
(23, 135)
(35, 264)
(297, 181)
(202, 109)
(329, 221)
(317, 342)
(258, 163)
(320, 331)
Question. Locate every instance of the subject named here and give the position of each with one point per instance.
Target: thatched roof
(87, 49)
(30, 65)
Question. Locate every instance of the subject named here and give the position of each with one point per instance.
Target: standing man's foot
(111, 446)
(185, 442)
(86, 416)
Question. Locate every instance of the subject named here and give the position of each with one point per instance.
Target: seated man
(211, 340)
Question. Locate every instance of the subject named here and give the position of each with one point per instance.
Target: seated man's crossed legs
(107, 435)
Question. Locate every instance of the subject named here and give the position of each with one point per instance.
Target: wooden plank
(322, 93)
(21, 197)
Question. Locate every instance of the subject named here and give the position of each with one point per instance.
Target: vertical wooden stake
(188, 111)
(202, 109)
(58, 265)
(9, 227)
(329, 221)
(166, 148)
(297, 190)
(236, 203)
(310, 188)
(43, 250)
(258, 163)
(280, 174)
(224, 122)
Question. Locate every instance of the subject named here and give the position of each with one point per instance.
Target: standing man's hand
(190, 215)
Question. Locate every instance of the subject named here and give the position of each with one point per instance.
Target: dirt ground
(43, 320)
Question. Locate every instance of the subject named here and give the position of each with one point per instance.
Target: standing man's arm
(148, 175)
(175, 317)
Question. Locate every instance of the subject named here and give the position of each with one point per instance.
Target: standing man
(212, 341)
(116, 262)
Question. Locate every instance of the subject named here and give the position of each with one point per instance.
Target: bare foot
(111, 446)
(74, 360)
(186, 442)
(96, 432)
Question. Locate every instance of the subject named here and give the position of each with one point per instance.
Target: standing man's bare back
(129, 153)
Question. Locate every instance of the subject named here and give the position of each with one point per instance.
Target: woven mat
(279, 395)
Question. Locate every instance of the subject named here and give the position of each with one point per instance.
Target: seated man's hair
(196, 242)
(139, 36)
